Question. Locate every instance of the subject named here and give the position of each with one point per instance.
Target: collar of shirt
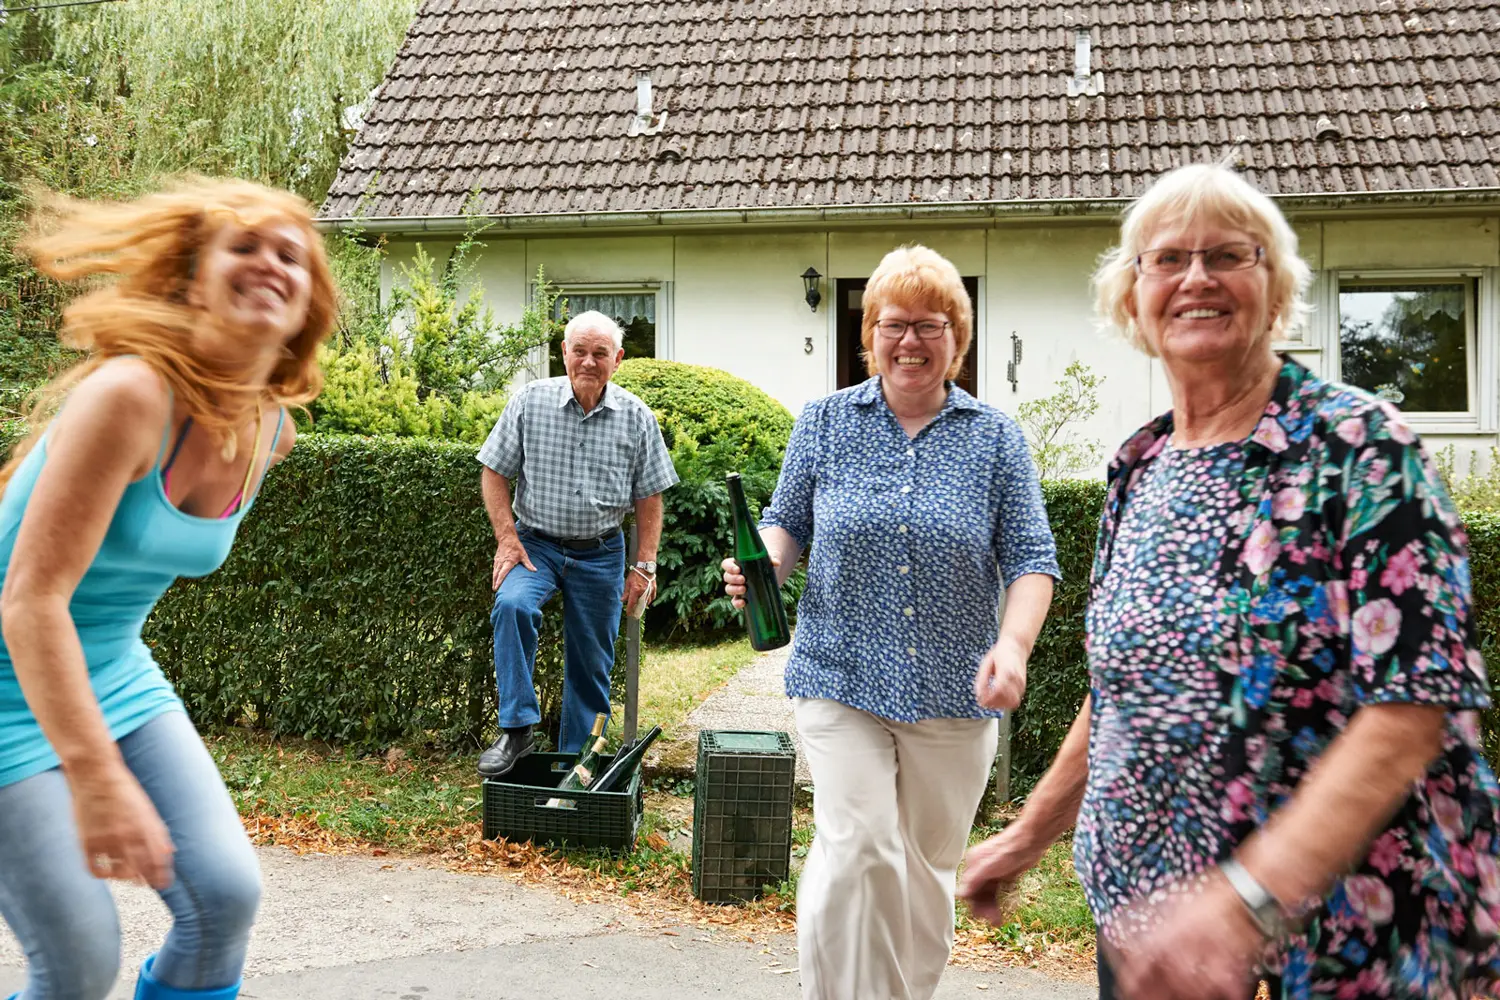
(1287, 420)
(869, 393)
(608, 400)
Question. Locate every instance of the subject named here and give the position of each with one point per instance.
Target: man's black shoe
(508, 749)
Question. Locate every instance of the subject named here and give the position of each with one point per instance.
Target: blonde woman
(153, 453)
(1278, 771)
(921, 505)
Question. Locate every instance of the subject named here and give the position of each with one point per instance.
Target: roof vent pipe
(1082, 82)
(644, 122)
(643, 96)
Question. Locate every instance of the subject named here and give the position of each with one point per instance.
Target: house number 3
(807, 347)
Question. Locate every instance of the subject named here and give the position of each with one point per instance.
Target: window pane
(1408, 343)
(635, 312)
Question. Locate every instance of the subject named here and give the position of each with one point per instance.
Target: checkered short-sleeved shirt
(578, 474)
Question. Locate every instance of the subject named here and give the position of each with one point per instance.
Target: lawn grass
(306, 794)
(408, 800)
(1051, 910)
(676, 678)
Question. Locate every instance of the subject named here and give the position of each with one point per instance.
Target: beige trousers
(893, 803)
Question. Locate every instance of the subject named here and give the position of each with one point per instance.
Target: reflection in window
(634, 311)
(1408, 342)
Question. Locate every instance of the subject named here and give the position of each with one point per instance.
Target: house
(723, 174)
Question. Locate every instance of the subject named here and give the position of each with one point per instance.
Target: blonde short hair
(913, 275)
(1203, 191)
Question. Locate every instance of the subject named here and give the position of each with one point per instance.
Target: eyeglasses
(1224, 257)
(896, 329)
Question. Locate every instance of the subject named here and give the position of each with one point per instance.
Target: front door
(849, 300)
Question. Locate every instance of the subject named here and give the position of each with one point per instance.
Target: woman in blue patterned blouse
(1277, 773)
(920, 504)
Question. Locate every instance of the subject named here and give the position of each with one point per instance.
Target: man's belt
(576, 544)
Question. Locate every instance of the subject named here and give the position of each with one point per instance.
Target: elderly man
(583, 452)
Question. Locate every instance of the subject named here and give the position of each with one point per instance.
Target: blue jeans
(65, 918)
(592, 582)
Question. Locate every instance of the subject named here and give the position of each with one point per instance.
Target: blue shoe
(147, 988)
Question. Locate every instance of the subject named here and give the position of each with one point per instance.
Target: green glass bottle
(765, 617)
(587, 754)
(585, 765)
(582, 773)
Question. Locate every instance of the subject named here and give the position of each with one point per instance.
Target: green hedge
(355, 604)
(1057, 677)
(1484, 565)
(712, 423)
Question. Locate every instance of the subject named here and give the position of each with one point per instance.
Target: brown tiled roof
(782, 103)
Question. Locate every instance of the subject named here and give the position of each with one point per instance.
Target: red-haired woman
(143, 462)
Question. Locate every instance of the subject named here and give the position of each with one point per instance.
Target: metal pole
(632, 652)
(1002, 763)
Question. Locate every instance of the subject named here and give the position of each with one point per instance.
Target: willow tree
(264, 89)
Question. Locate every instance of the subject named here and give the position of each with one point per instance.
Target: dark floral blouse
(1343, 578)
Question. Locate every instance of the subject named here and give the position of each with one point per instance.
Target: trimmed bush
(1057, 677)
(1484, 566)
(712, 423)
(355, 605)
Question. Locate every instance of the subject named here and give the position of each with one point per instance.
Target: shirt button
(901, 528)
(906, 489)
(903, 570)
(911, 650)
(911, 453)
(909, 611)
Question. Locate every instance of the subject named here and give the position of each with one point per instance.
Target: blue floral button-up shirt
(912, 541)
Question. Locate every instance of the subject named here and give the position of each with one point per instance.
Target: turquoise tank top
(149, 544)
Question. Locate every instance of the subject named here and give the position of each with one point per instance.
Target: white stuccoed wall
(736, 299)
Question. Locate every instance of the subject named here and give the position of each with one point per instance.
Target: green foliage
(1057, 676)
(1054, 450)
(11, 431)
(712, 423)
(434, 363)
(267, 90)
(100, 101)
(354, 607)
(1483, 527)
(1479, 489)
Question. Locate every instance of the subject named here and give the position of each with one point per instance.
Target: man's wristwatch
(1265, 909)
(646, 566)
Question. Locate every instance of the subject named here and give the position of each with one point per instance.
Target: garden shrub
(354, 607)
(712, 423)
(1057, 676)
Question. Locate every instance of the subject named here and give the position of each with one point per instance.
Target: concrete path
(349, 928)
(755, 698)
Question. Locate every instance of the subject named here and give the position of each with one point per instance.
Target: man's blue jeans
(592, 582)
(65, 918)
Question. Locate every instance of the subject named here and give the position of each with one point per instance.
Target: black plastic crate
(742, 813)
(515, 807)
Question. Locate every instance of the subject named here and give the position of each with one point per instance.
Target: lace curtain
(623, 307)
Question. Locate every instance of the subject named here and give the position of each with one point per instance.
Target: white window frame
(665, 333)
(1483, 339)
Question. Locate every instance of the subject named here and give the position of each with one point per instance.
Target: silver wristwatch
(1265, 909)
(646, 567)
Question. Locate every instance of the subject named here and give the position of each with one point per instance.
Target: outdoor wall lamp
(810, 283)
